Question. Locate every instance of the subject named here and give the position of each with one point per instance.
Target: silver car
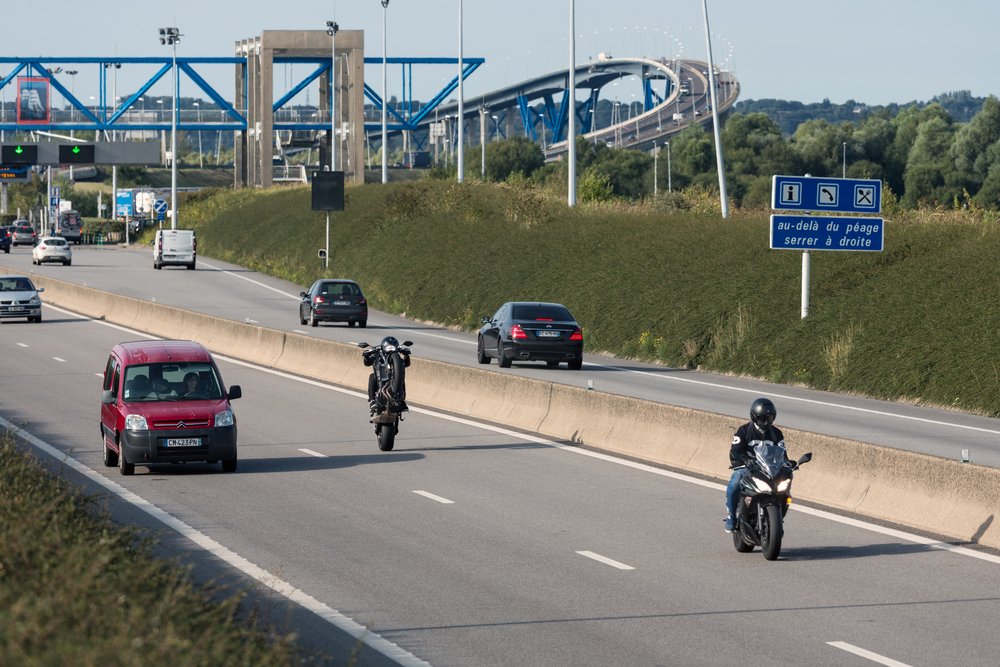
(19, 298)
(23, 233)
(52, 249)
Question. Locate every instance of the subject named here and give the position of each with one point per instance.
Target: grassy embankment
(919, 321)
(76, 589)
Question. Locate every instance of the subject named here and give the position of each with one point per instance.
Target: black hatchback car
(333, 301)
(531, 331)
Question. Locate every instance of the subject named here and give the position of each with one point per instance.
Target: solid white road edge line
(427, 494)
(607, 561)
(874, 657)
(332, 616)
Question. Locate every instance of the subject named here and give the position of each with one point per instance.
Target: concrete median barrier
(952, 499)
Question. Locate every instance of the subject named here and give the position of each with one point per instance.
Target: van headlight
(224, 418)
(136, 423)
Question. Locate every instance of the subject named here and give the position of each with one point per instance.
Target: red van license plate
(183, 442)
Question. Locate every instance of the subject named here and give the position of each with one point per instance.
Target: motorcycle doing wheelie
(387, 387)
(765, 492)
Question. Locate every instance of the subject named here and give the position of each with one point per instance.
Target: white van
(174, 247)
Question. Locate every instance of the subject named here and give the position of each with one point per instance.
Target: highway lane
(229, 291)
(476, 545)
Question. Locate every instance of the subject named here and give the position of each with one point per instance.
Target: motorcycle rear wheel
(386, 436)
(770, 538)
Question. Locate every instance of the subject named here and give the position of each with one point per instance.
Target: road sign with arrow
(841, 195)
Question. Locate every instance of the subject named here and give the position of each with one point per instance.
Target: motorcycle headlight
(783, 485)
(224, 418)
(388, 349)
(761, 485)
(136, 423)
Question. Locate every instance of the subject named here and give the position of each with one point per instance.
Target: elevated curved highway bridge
(667, 96)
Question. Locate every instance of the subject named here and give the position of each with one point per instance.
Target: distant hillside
(960, 105)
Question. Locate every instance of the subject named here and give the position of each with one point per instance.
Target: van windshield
(187, 381)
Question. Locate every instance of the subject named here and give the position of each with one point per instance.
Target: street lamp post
(461, 100)
(72, 114)
(656, 179)
(571, 130)
(719, 160)
(172, 36)
(482, 143)
(845, 160)
(334, 145)
(114, 167)
(385, 138)
(201, 159)
(669, 184)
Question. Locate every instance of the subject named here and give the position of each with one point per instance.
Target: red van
(164, 402)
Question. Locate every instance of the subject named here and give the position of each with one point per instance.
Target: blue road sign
(123, 203)
(841, 195)
(804, 232)
(160, 208)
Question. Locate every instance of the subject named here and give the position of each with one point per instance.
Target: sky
(869, 51)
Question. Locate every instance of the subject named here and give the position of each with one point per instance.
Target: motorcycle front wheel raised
(386, 435)
(771, 533)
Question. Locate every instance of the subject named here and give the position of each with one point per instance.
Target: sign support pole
(805, 284)
(326, 260)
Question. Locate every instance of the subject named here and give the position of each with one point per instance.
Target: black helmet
(389, 343)
(762, 413)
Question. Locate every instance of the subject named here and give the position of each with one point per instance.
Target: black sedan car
(531, 331)
(5, 239)
(330, 300)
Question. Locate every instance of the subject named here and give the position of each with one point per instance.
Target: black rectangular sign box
(19, 154)
(76, 153)
(328, 191)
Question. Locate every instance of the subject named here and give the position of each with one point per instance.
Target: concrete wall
(946, 497)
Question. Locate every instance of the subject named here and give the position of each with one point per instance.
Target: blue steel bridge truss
(105, 116)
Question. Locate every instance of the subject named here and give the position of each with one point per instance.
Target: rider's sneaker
(729, 523)
(403, 407)
(373, 406)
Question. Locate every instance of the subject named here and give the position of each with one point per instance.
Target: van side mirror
(486, 320)
(107, 397)
(235, 392)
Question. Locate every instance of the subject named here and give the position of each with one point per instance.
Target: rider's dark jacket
(747, 437)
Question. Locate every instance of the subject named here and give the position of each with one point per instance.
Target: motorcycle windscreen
(770, 456)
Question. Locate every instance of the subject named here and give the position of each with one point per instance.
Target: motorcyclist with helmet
(391, 348)
(759, 429)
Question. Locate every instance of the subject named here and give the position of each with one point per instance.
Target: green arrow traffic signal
(76, 149)
(19, 150)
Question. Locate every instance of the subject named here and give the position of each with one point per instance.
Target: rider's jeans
(732, 490)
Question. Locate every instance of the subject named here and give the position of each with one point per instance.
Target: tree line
(921, 153)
